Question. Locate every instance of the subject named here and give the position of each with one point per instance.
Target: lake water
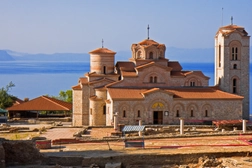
(33, 79)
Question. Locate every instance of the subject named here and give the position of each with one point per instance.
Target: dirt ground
(217, 142)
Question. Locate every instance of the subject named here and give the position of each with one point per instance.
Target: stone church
(151, 88)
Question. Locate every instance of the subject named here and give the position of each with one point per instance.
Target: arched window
(234, 86)
(139, 54)
(192, 83)
(219, 55)
(160, 54)
(206, 113)
(151, 79)
(192, 113)
(155, 79)
(124, 113)
(151, 55)
(177, 113)
(104, 69)
(138, 113)
(235, 66)
(234, 53)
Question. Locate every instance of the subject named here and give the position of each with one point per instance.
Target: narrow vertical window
(151, 55)
(206, 113)
(234, 86)
(124, 113)
(90, 111)
(235, 66)
(219, 81)
(219, 55)
(138, 113)
(155, 79)
(236, 53)
(191, 113)
(192, 83)
(104, 69)
(233, 53)
(151, 79)
(104, 109)
(177, 113)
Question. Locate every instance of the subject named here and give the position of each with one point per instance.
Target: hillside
(4, 56)
(197, 55)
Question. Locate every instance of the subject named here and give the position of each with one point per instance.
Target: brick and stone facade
(232, 62)
(151, 88)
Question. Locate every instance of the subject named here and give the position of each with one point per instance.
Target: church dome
(102, 51)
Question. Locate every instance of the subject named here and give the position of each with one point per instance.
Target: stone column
(116, 121)
(181, 126)
(244, 126)
(140, 132)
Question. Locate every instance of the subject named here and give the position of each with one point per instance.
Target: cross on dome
(148, 31)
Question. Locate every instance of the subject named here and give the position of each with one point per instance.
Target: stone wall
(221, 109)
(21, 152)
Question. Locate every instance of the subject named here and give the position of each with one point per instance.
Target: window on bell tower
(234, 86)
(234, 53)
(219, 56)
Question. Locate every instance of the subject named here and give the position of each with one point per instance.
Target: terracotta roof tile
(183, 93)
(198, 73)
(83, 80)
(226, 30)
(102, 51)
(148, 42)
(175, 66)
(129, 74)
(118, 93)
(42, 103)
(126, 66)
(153, 64)
(76, 87)
(202, 93)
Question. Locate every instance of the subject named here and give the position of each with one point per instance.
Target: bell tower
(232, 62)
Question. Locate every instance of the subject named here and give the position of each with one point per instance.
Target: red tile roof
(102, 51)
(202, 93)
(231, 28)
(175, 66)
(126, 66)
(153, 64)
(184, 93)
(118, 93)
(42, 103)
(83, 80)
(76, 87)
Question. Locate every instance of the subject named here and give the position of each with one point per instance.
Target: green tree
(6, 100)
(65, 96)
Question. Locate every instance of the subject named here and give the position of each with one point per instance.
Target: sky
(78, 26)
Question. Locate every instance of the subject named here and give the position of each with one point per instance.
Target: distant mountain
(4, 56)
(183, 55)
(67, 57)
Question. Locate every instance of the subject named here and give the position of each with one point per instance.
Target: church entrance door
(158, 117)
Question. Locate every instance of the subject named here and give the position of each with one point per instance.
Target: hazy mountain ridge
(4, 56)
(204, 55)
